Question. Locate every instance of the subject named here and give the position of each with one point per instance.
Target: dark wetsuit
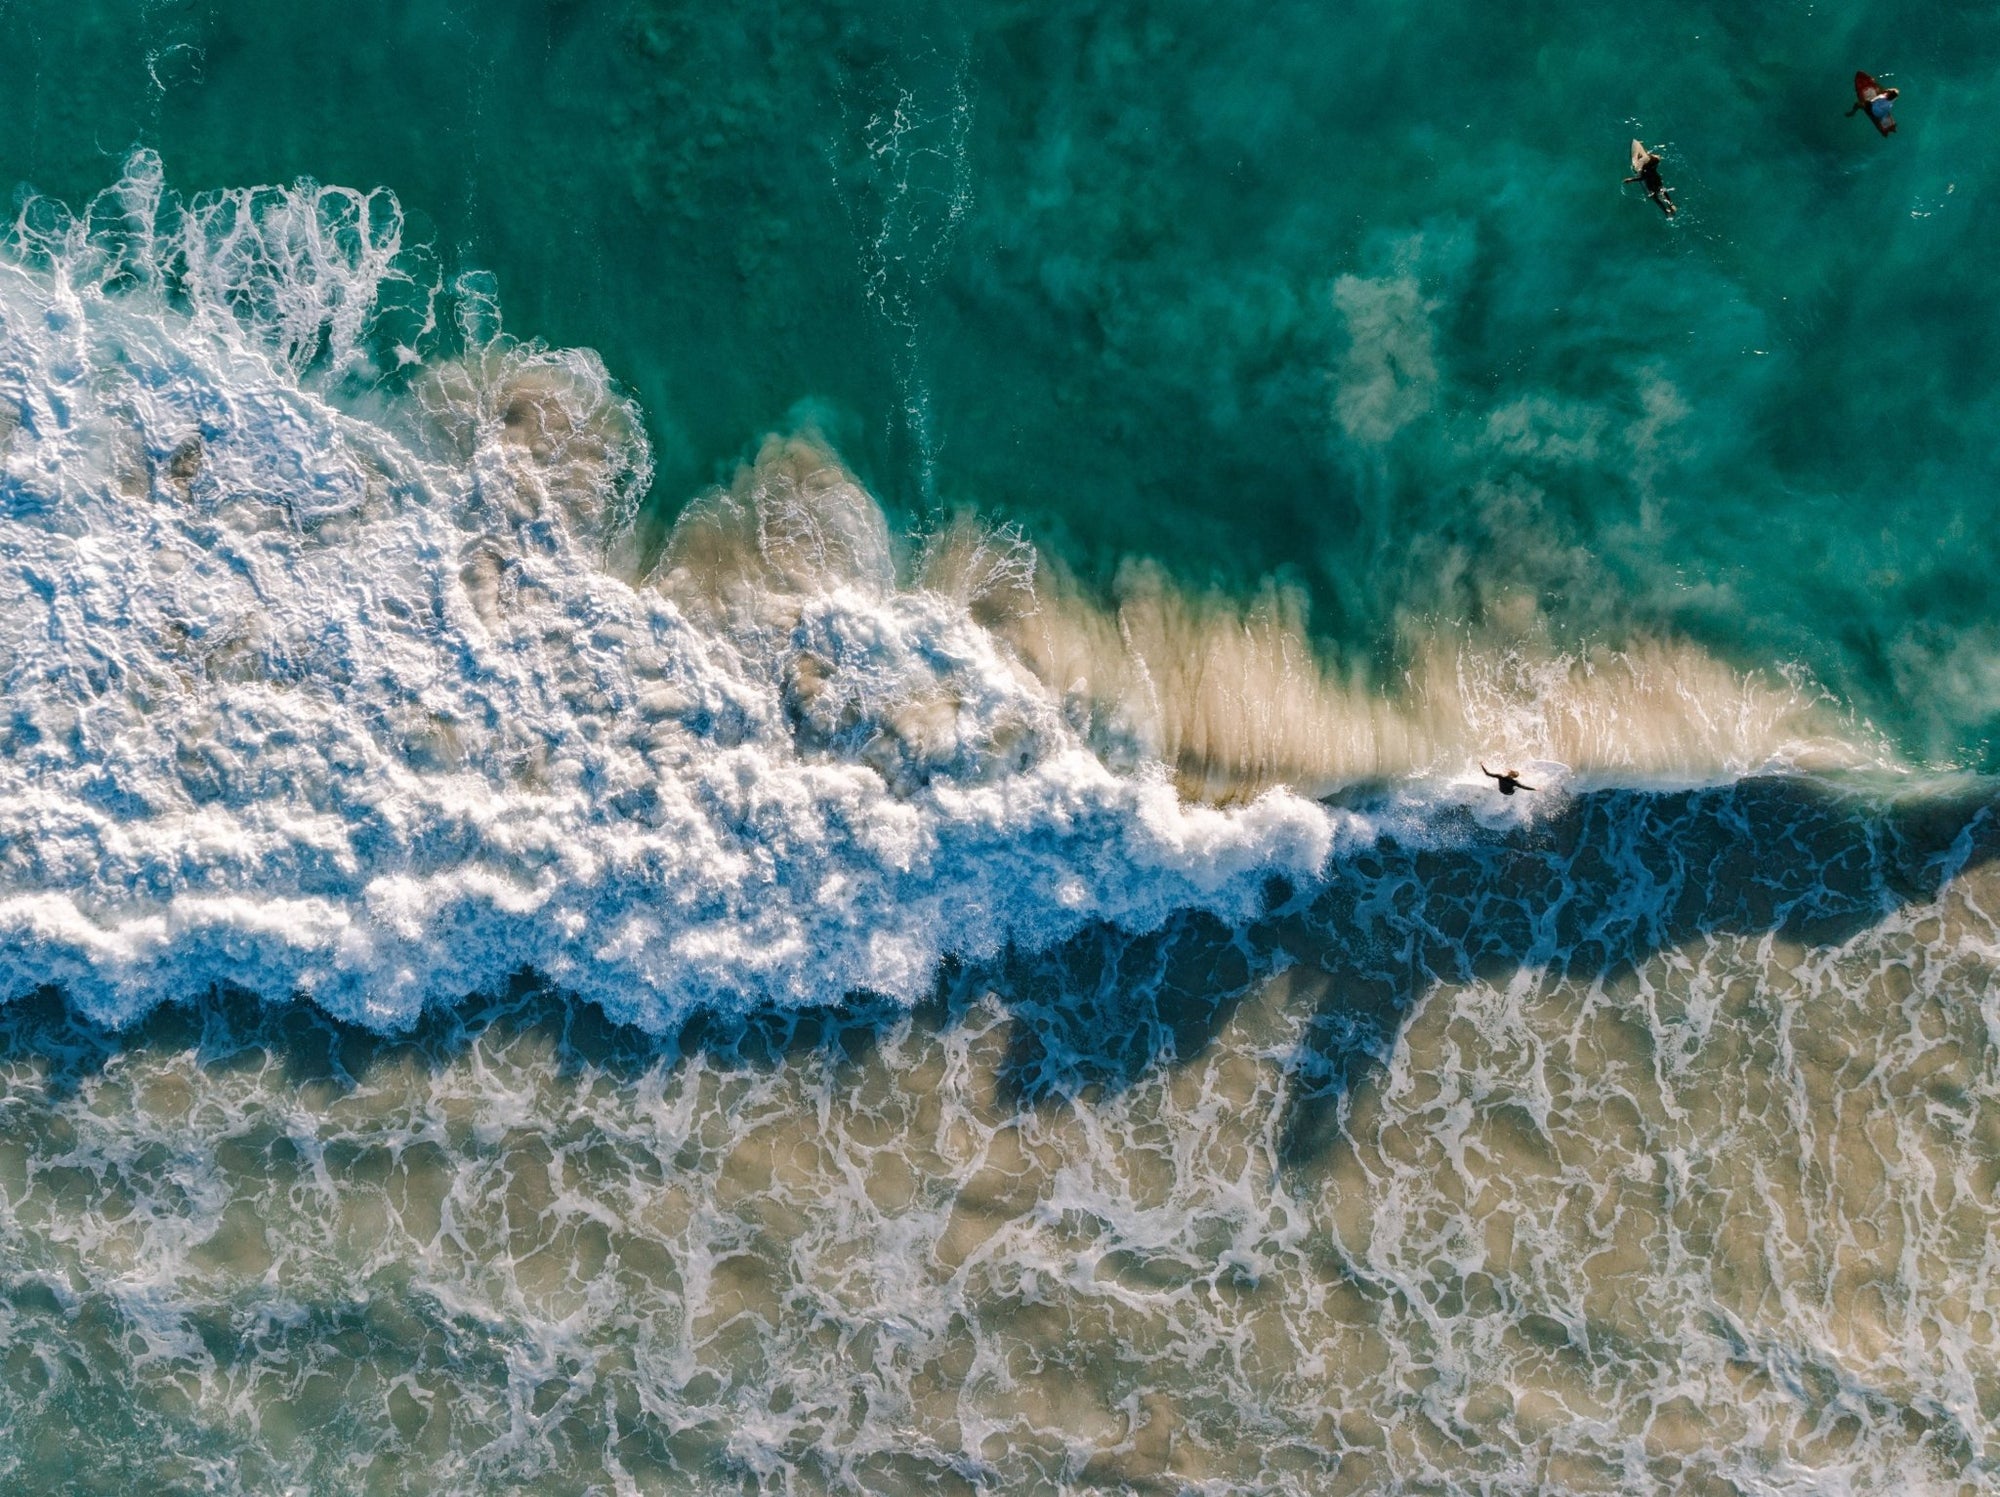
(1656, 189)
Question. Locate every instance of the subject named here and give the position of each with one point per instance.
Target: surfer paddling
(1646, 169)
(1509, 781)
(1878, 101)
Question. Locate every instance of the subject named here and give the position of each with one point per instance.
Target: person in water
(1880, 104)
(1657, 190)
(1510, 781)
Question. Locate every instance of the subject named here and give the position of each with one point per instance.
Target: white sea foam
(324, 681)
(1650, 1155)
(1647, 1145)
(345, 699)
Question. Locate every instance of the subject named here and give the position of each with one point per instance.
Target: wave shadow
(236, 1028)
(1594, 887)
(1595, 892)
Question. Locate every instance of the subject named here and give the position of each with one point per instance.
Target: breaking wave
(332, 668)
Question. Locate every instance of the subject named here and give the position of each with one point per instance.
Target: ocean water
(741, 751)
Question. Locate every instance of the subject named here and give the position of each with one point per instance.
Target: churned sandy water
(764, 773)
(1648, 1146)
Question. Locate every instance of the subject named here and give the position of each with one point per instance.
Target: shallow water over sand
(1651, 1143)
(868, 871)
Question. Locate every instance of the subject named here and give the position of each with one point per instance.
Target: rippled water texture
(1351, 293)
(761, 772)
(1654, 1147)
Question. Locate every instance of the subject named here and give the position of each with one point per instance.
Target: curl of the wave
(1234, 697)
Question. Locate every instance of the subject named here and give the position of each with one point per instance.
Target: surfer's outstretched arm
(1489, 773)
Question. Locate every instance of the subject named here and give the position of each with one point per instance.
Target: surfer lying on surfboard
(1646, 169)
(1879, 102)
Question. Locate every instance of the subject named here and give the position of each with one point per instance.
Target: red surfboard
(1863, 87)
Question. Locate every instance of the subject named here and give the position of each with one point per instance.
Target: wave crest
(325, 679)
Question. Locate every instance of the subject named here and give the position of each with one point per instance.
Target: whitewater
(305, 704)
(495, 998)
(323, 687)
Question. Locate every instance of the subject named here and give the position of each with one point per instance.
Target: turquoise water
(1080, 266)
(742, 751)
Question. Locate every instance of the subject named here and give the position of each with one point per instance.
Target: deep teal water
(1623, 1136)
(1078, 265)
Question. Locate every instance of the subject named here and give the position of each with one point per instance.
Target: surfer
(1509, 781)
(1646, 169)
(1878, 101)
